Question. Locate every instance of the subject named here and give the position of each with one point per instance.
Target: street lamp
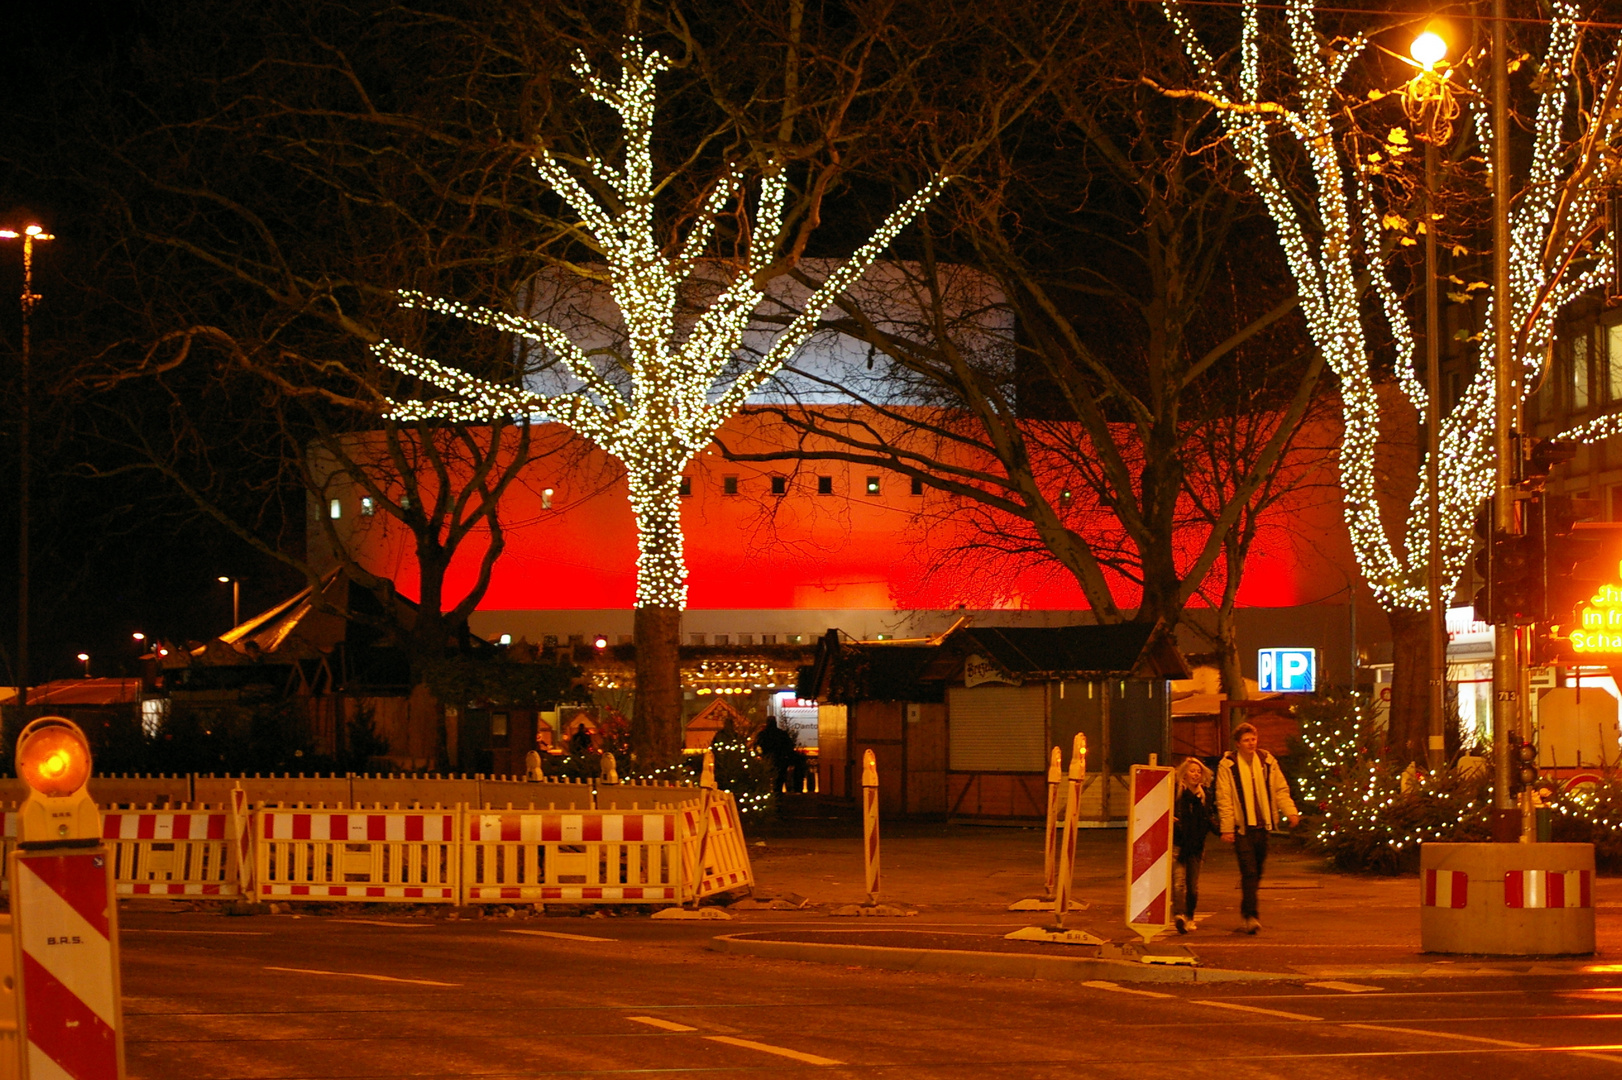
(1428, 102)
(30, 233)
(236, 598)
(84, 658)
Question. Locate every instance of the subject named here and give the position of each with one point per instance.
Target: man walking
(1251, 795)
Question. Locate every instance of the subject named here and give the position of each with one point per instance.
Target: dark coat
(1193, 820)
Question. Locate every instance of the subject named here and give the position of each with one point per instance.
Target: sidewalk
(960, 879)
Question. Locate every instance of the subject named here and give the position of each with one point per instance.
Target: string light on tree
(1557, 252)
(682, 388)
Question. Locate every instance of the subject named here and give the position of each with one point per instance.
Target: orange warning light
(53, 757)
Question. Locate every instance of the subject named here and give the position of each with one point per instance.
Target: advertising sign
(1287, 671)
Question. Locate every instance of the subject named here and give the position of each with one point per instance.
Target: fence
(677, 850)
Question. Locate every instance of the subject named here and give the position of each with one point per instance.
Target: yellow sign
(1599, 623)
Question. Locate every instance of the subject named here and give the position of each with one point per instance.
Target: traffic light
(1523, 763)
(53, 759)
(1512, 567)
(1545, 455)
(1569, 580)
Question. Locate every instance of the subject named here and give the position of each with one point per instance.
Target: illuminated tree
(1291, 103)
(657, 402)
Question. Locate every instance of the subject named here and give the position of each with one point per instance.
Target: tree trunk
(1229, 667)
(1408, 727)
(656, 728)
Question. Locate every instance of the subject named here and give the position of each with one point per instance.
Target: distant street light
(138, 637)
(1428, 49)
(29, 234)
(84, 658)
(236, 598)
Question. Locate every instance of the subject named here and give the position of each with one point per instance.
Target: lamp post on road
(236, 597)
(29, 234)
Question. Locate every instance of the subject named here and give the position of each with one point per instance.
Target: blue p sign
(1287, 671)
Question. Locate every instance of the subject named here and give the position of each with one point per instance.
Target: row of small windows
(729, 486)
(874, 485)
(553, 641)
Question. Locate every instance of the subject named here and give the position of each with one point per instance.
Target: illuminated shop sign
(1287, 671)
(1599, 623)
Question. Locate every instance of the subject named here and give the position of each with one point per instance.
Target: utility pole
(1506, 669)
(29, 234)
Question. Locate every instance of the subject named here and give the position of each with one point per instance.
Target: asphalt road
(362, 996)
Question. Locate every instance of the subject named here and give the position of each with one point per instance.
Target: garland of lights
(1327, 256)
(679, 394)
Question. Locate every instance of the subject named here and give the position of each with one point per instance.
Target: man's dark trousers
(1251, 847)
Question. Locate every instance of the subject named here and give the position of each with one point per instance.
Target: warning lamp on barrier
(53, 759)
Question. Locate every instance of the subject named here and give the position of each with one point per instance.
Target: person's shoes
(1192, 925)
(1182, 925)
(1252, 925)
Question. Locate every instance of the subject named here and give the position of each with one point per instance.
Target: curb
(1001, 965)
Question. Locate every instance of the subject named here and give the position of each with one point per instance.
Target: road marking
(1100, 984)
(667, 1025)
(1253, 1009)
(1350, 988)
(556, 934)
(1444, 1035)
(379, 922)
(228, 933)
(362, 975)
(766, 1048)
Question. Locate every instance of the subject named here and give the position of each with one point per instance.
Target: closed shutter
(997, 728)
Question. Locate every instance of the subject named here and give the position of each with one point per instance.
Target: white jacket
(1230, 810)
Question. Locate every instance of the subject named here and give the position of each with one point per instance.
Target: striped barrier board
(1548, 889)
(65, 926)
(1148, 850)
(725, 854)
(539, 856)
(1445, 888)
(171, 852)
(402, 856)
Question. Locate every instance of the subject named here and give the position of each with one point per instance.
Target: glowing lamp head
(53, 757)
(1428, 49)
(600, 641)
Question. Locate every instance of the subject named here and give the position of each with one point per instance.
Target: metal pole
(1506, 661)
(24, 451)
(236, 603)
(1436, 742)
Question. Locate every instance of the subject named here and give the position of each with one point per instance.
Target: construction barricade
(629, 857)
(171, 852)
(400, 856)
(715, 858)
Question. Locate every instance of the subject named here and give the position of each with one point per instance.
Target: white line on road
(666, 1025)
(1443, 1035)
(1100, 984)
(362, 975)
(556, 934)
(380, 922)
(1350, 988)
(229, 933)
(766, 1048)
(1253, 1009)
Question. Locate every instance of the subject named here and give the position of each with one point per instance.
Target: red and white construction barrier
(1148, 850)
(1445, 888)
(628, 857)
(67, 933)
(170, 852)
(1548, 889)
(408, 856)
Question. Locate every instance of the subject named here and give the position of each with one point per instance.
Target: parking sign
(1287, 671)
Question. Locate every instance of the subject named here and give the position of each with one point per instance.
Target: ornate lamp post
(28, 235)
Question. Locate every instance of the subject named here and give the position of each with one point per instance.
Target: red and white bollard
(870, 824)
(1050, 849)
(1148, 850)
(1066, 860)
(63, 914)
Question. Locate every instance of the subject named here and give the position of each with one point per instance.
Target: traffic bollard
(64, 919)
(1066, 861)
(870, 824)
(706, 786)
(1050, 853)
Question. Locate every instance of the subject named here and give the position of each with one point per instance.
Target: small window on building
(1065, 496)
(779, 485)
(825, 485)
(746, 639)
(577, 639)
(872, 485)
(1579, 373)
(335, 509)
(154, 711)
(917, 486)
(546, 498)
(695, 639)
(722, 639)
(794, 639)
(768, 639)
(729, 485)
(367, 506)
(405, 502)
(550, 641)
(686, 488)
(505, 639)
(498, 725)
(1613, 363)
